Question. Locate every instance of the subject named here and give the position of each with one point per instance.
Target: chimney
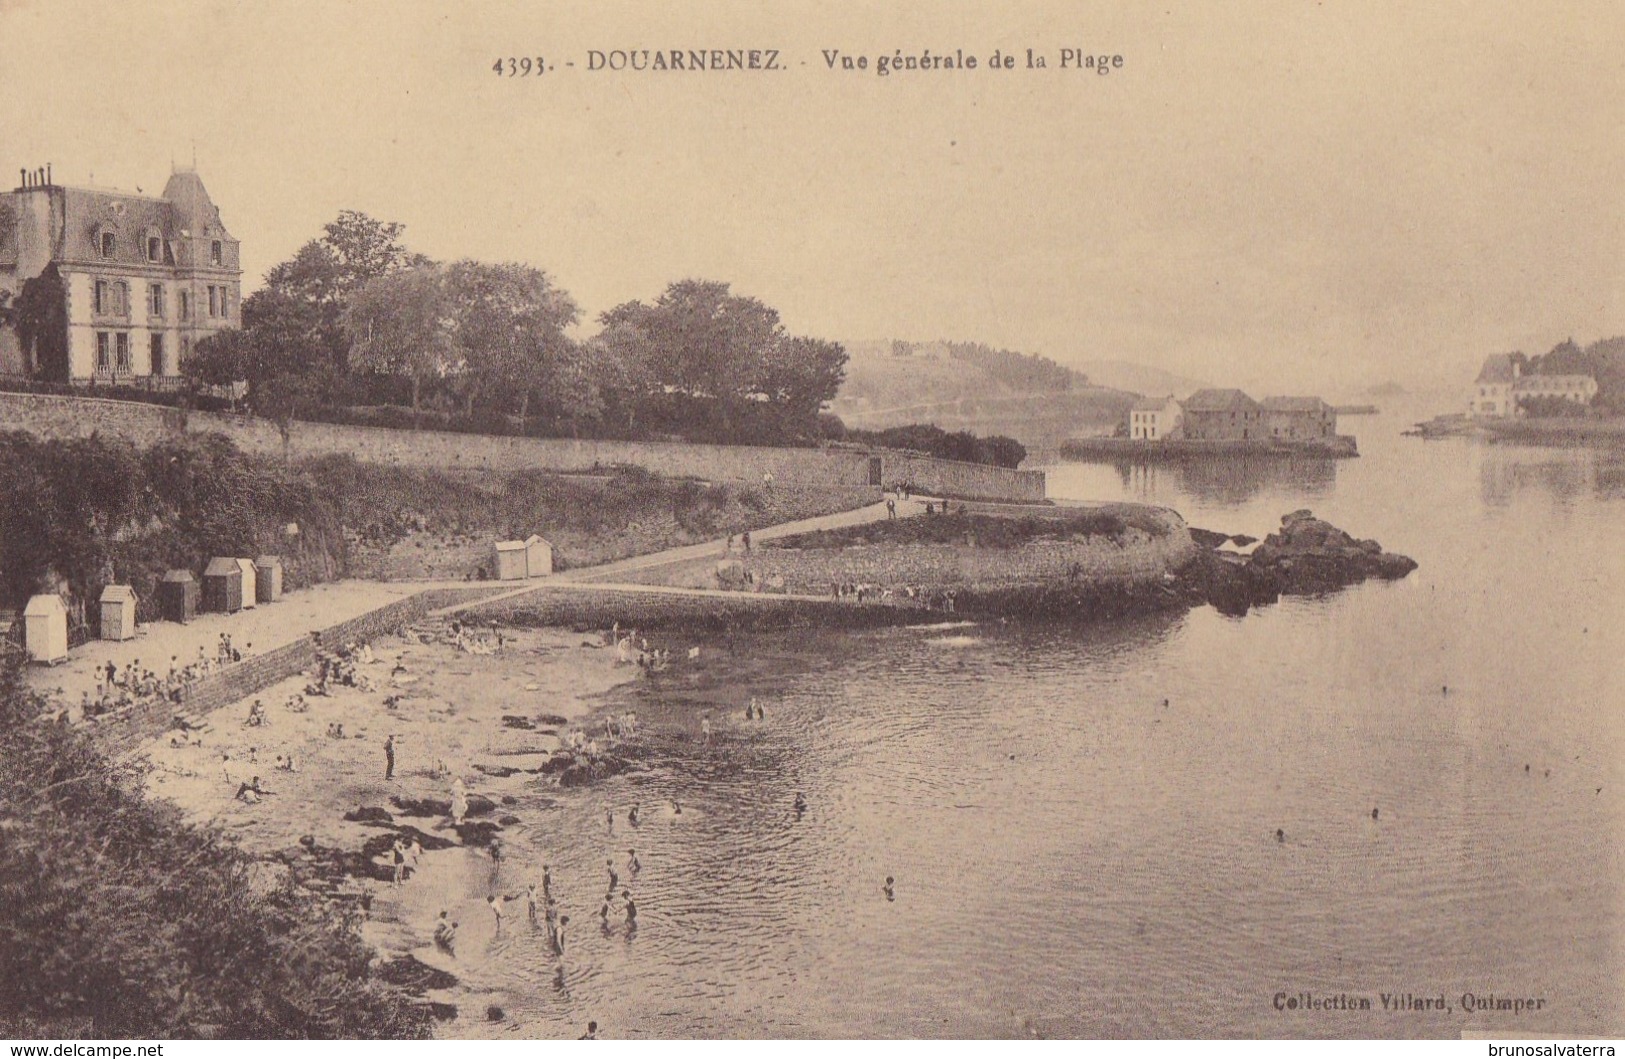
(47, 174)
(23, 173)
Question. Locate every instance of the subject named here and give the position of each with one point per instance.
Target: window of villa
(121, 347)
(155, 248)
(155, 299)
(214, 302)
(158, 354)
(103, 342)
(99, 299)
(186, 305)
(214, 252)
(107, 244)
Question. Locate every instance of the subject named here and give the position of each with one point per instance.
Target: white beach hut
(538, 556)
(45, 629)
(508, 561)
(250, 583)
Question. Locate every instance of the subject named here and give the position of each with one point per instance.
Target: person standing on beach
(558, 936)
(613, 878)
(633, 865)
(459, 801)
(632, 815)
(631, 911)
(744, 539)
(389, 757)
(547, 884)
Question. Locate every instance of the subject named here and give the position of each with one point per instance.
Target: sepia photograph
(543, 519)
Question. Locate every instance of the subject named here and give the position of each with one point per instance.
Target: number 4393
(519, 67)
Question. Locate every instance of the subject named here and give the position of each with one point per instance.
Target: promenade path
(608, 576)
(275, 628)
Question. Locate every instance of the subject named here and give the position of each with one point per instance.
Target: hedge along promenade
(53, 416)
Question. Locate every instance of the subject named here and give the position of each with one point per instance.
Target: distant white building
(1501, 384)
(1154, 419)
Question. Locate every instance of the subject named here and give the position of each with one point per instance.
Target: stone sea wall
(1138, 556)
(258, 672)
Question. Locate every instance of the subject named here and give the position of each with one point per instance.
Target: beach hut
(250, 583)
(45, 629)
(118, 612)
(268, 578)
(177, 596)
(538, 556)
(223, 586)
(509, 561)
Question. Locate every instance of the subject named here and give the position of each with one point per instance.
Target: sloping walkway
(715, 549)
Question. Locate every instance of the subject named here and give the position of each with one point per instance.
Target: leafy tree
(725, 353)
(41, 319)
(223, 358)
(802, 375)
(404, 323)
(304, 298)
(699, 340)
(509, 323)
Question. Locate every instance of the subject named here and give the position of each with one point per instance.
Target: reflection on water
(1564, 473)
(1228, 480)
(1082, 823)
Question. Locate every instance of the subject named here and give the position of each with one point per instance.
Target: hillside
(1141, 378)
(965, 386)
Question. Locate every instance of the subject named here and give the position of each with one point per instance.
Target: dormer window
(215, 252)
(108, 242)
(155, 248)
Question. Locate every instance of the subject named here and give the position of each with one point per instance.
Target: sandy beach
(450, 709)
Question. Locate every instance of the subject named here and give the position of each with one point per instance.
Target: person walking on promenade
(891, 509)
(389, 757)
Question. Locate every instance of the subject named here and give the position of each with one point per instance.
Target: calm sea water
(1074, 857)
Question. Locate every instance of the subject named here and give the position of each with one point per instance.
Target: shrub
(120, 920)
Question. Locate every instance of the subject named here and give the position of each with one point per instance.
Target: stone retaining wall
(69, 417)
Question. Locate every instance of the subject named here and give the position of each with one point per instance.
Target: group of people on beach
(121, 688)
(341, 668)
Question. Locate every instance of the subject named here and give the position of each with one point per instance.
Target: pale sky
(1287, 196)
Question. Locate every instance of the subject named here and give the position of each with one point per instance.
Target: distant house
(1501, 384)
(1492, 390)
(1579, 389)
(1154, 419)
(1298, 418)
(1223, 415)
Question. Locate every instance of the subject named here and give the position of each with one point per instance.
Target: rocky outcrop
(1306, 556)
